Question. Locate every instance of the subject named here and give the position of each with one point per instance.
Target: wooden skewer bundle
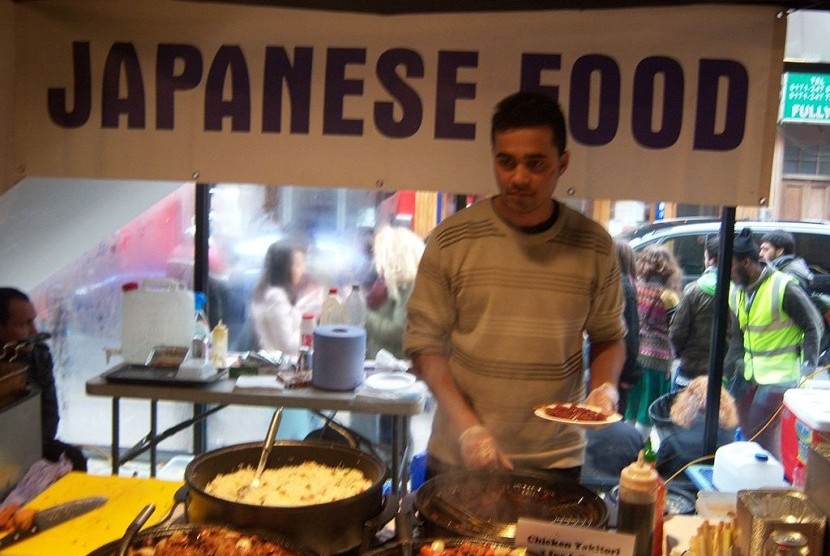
(712, 540)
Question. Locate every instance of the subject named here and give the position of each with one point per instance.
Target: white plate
(390, 381)
(613, 418)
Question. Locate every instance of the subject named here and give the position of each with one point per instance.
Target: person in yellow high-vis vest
(778, 328)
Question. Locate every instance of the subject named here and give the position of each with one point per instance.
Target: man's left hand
(605, 397)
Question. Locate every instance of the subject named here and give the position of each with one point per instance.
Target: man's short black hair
(6, 296)
(780, 239)
(530, 109)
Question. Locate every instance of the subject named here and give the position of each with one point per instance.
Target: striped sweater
(510, 309)
(655, 348)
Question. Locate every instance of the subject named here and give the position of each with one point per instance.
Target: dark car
(686, 237)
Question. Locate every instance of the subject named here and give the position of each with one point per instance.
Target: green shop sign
(806, 98)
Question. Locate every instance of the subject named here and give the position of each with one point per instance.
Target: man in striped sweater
(505, 292)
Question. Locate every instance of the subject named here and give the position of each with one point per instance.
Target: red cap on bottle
(129, 286)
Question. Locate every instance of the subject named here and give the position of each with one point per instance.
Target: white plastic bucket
(159, 312)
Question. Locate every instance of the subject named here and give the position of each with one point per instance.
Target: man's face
(768, 252)
(21, 322)
(742, 272)
(527, 167)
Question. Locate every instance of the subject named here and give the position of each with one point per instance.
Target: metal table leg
(153, 427)
(115, 433)
(400, 439)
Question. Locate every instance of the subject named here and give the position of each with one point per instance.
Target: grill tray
(488, 503)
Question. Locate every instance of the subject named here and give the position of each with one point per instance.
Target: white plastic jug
(745, 465)
(159, 312)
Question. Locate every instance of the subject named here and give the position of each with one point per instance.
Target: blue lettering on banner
(711, 73)
(228, 60)
(449, 90)
(338, 88)
(666, 133)
(122, 56)
(297, 77)
(609, 99)
(78, 115)
(167, 82)
(411, 107)
(531, 74)
(595, 80)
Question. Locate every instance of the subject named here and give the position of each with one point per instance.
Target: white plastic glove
(478, 448)
(605, 397)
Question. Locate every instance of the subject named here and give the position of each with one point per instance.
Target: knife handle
(18, 536)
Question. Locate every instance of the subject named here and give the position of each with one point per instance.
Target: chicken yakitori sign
(662, 103)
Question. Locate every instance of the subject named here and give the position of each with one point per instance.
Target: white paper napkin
(259, 381)
(413, 392)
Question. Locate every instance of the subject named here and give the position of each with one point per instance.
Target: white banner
(671, 104)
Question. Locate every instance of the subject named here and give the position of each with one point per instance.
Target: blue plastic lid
(200, 300)
(762, 456)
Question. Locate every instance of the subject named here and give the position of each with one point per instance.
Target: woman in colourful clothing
(658, 283)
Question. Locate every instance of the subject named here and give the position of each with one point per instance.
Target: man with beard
(505, 292)
(779, 330)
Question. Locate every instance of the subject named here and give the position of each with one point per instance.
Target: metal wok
(328, 528)
(488, 503)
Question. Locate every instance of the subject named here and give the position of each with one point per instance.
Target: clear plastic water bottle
(201, 326)
(354, 308)
(331, 311)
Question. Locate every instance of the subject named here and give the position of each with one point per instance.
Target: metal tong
(266, 447)
(134, 528)
(482, 526)
(11, 350)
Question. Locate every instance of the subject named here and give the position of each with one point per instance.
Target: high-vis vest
(772, 341)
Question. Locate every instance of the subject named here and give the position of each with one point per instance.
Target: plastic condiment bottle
(636, 504)
(650, 457)
(219, 342)
(307, 330)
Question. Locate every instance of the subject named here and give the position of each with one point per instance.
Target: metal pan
(153, 535)
(327, 528)
(488, 503)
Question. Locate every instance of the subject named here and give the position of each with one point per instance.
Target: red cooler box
(805, 420)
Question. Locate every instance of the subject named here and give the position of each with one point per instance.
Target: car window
(688, 247)
(813, 247)
(688, 250)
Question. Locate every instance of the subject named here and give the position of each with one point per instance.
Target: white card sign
(551, 539)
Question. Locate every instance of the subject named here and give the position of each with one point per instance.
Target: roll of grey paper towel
(339, 353)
